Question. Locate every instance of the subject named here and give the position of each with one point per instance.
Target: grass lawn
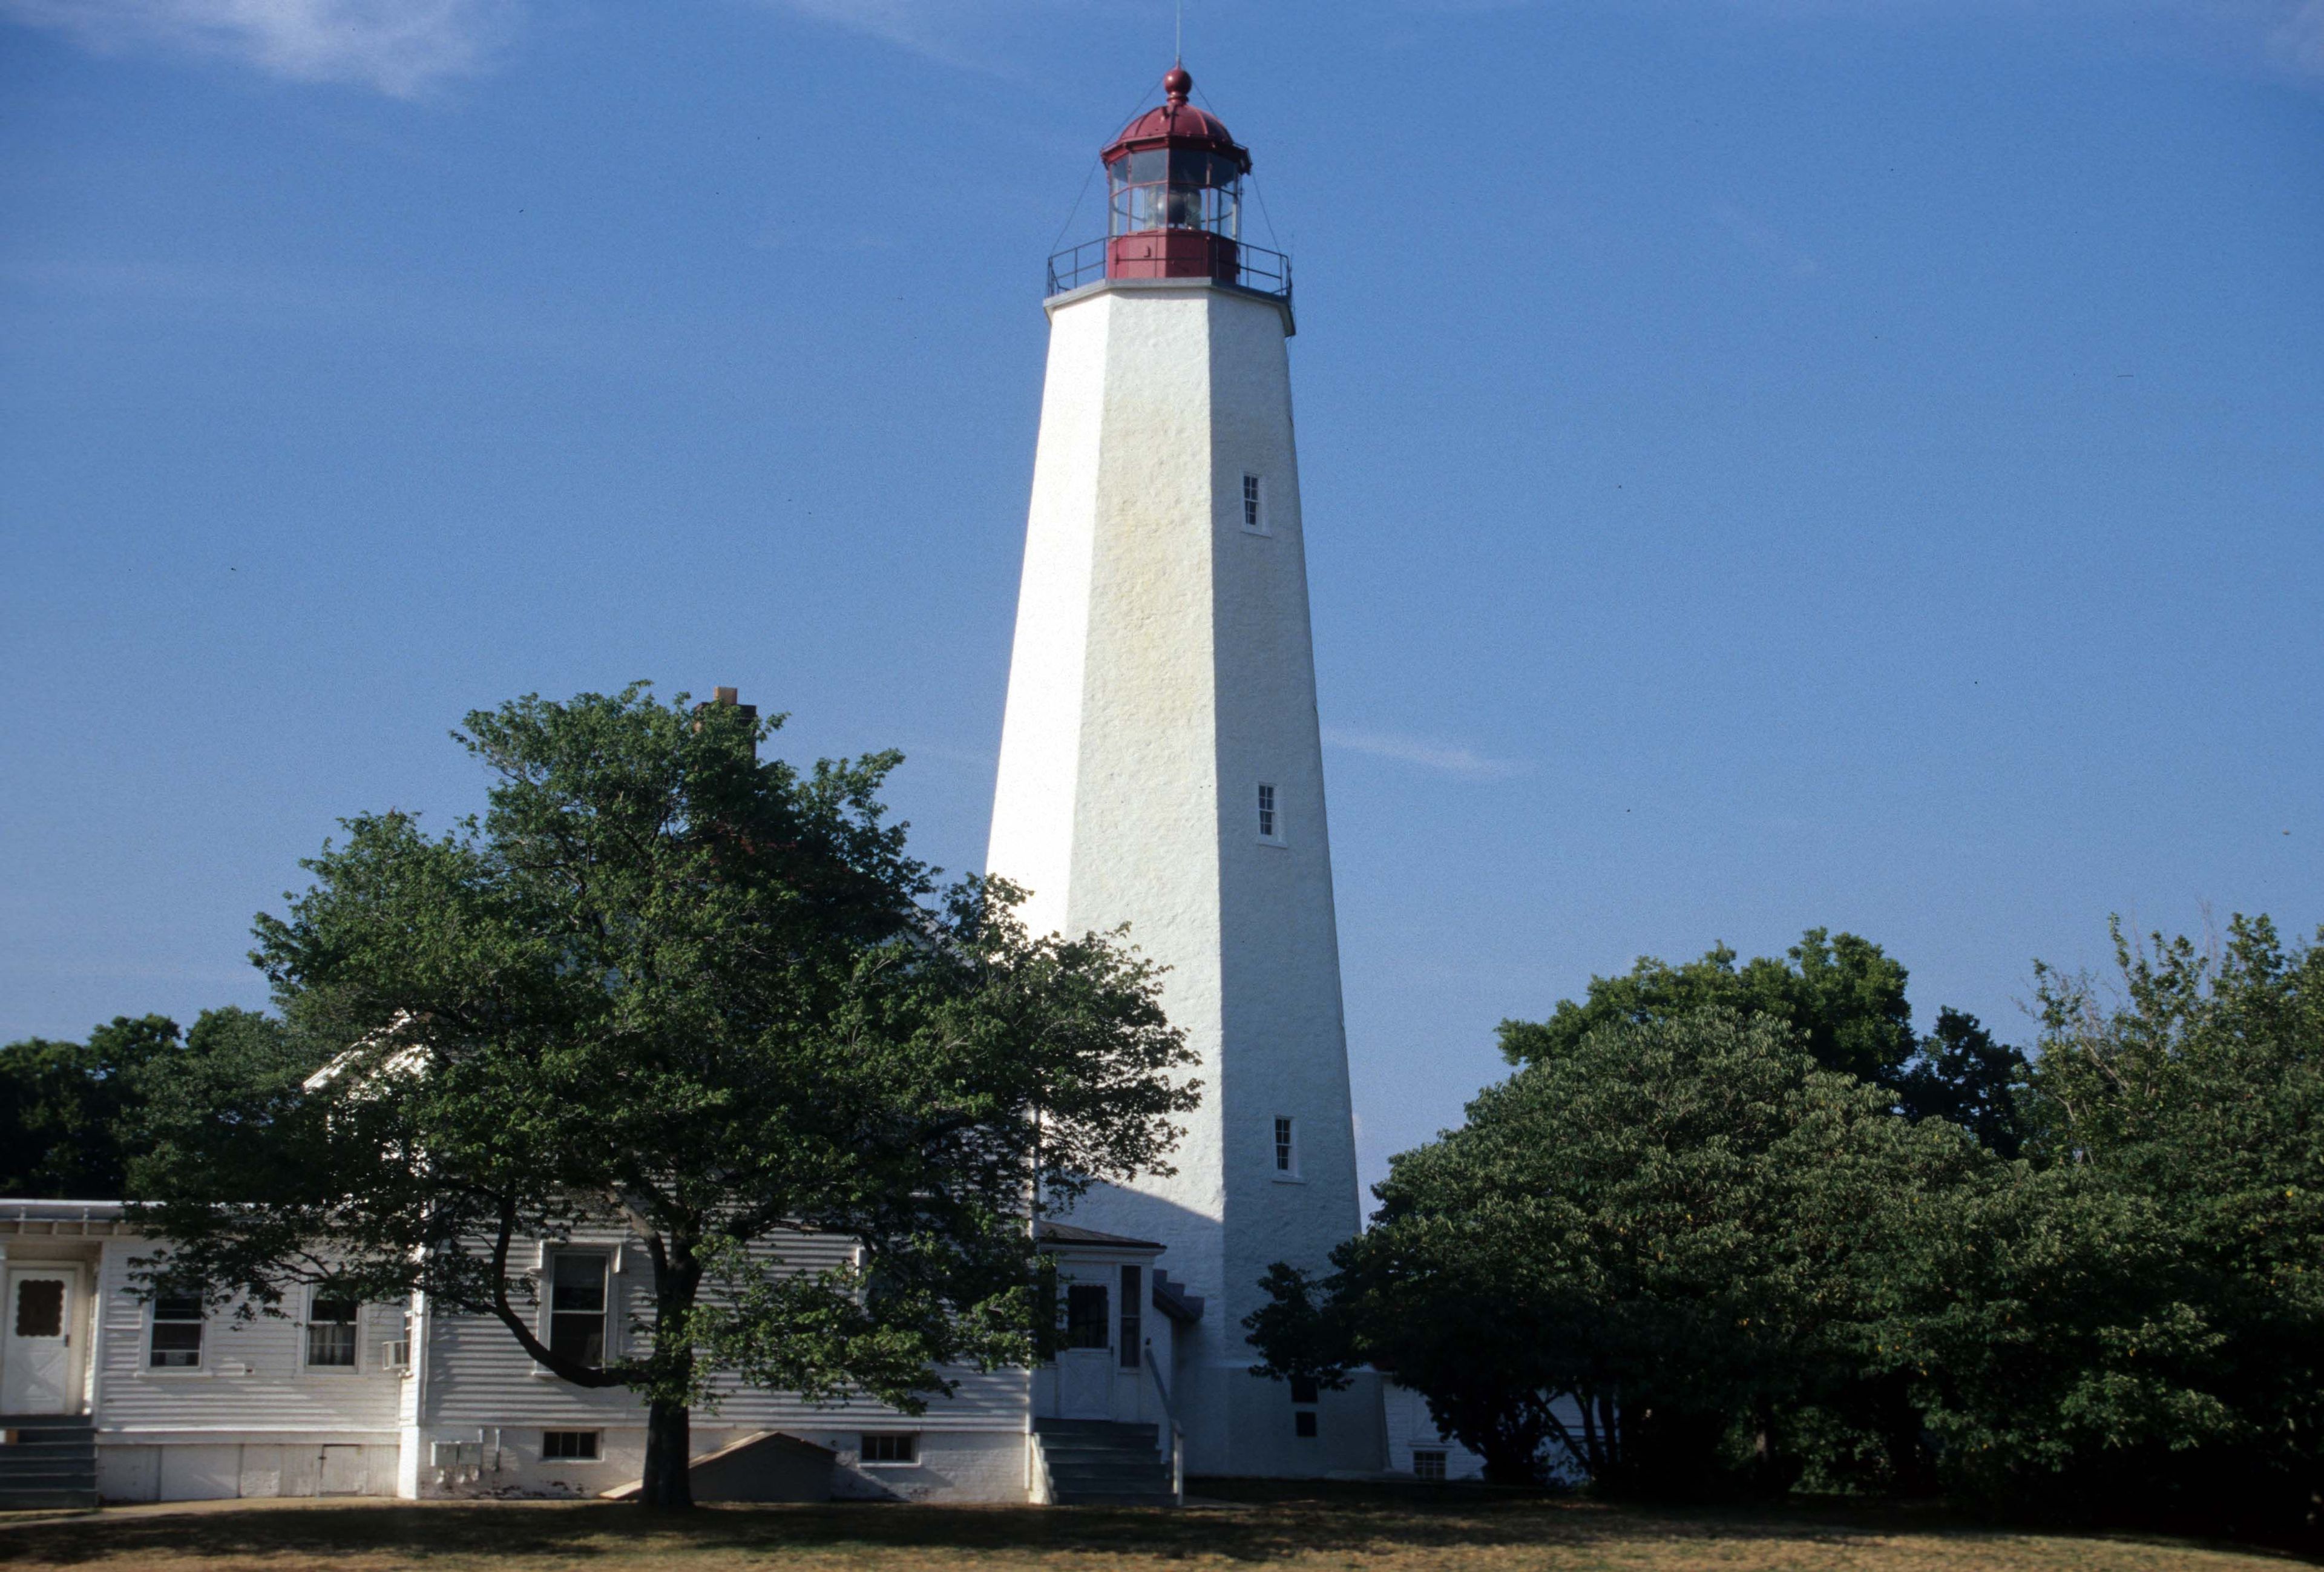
(1377, 1529)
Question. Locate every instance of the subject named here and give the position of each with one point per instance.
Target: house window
(1270, 823)
(576, 1307)
(176, 1332)
(1286, 1147)
(568, 1446)
(331, 1332)
(1085, 1317)
(1132, 1280)
(1254, 510)
(1428, 1463)
(1303, 1424)
(1304, 1389)
(890, 1446)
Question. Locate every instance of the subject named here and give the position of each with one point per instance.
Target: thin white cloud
(992, 37)
(1449, 758)
(1763, 241)
(399, 47)
(2298, 38)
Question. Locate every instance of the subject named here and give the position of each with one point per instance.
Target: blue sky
(1767, 462)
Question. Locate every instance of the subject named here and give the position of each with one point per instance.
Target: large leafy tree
(1682, 1229)
(665, 985)
(2146, 1333)
(1843, 995)
(63, 1105)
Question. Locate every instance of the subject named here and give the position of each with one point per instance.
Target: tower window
(1306, 1389)
(1286, 1147)
(1271, 822)
(1254, 505)
(1303, 1424)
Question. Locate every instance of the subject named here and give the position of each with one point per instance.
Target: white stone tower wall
(1162, 669)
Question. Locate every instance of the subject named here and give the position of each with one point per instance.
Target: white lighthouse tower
(1160, 763)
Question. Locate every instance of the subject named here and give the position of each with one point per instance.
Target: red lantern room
(1175, 179)
(1174, 182)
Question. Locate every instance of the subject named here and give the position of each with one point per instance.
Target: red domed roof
(1177, 124)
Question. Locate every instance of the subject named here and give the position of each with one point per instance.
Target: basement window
(892, 1447)
(569, 1447)
(177, 1333)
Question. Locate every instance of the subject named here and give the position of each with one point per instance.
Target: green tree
(1962, 1076)
(665, 985)
(1844, 995)
(62, 1106)
(2146, 1336)
(1682, 1224)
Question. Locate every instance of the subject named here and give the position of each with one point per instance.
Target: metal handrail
(1177, 1451)
(1257, 269)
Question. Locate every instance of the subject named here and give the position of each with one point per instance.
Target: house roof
(1066, 1233)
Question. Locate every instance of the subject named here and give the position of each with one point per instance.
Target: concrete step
(48, 1500)
(1103, 1462)
(1116, 1498)
(1150, 1479)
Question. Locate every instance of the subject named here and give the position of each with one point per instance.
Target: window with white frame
(1254, 505)
(1286, 1147)
(177, 1338)
(1271, 820)
(890, 1446)
(577, 1306)
(331, 1332)
(570, 1446)
(1429, 1463)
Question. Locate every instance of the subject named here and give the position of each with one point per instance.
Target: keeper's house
(106, 1394)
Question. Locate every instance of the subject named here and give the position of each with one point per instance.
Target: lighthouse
(1161, 766)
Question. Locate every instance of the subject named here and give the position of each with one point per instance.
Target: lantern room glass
(1176, 188)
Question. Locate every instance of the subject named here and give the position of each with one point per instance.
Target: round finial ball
(1178, 84)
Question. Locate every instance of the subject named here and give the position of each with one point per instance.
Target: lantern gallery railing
(1253, 267)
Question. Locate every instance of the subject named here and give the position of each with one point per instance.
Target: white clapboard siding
(477, 1375)
(253, 1375)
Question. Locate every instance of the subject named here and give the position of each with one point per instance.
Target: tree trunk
(669, 1423)
(669, 1455)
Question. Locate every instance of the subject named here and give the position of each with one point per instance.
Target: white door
(342, 1471)
(39, 1357)
(1086, 1364)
